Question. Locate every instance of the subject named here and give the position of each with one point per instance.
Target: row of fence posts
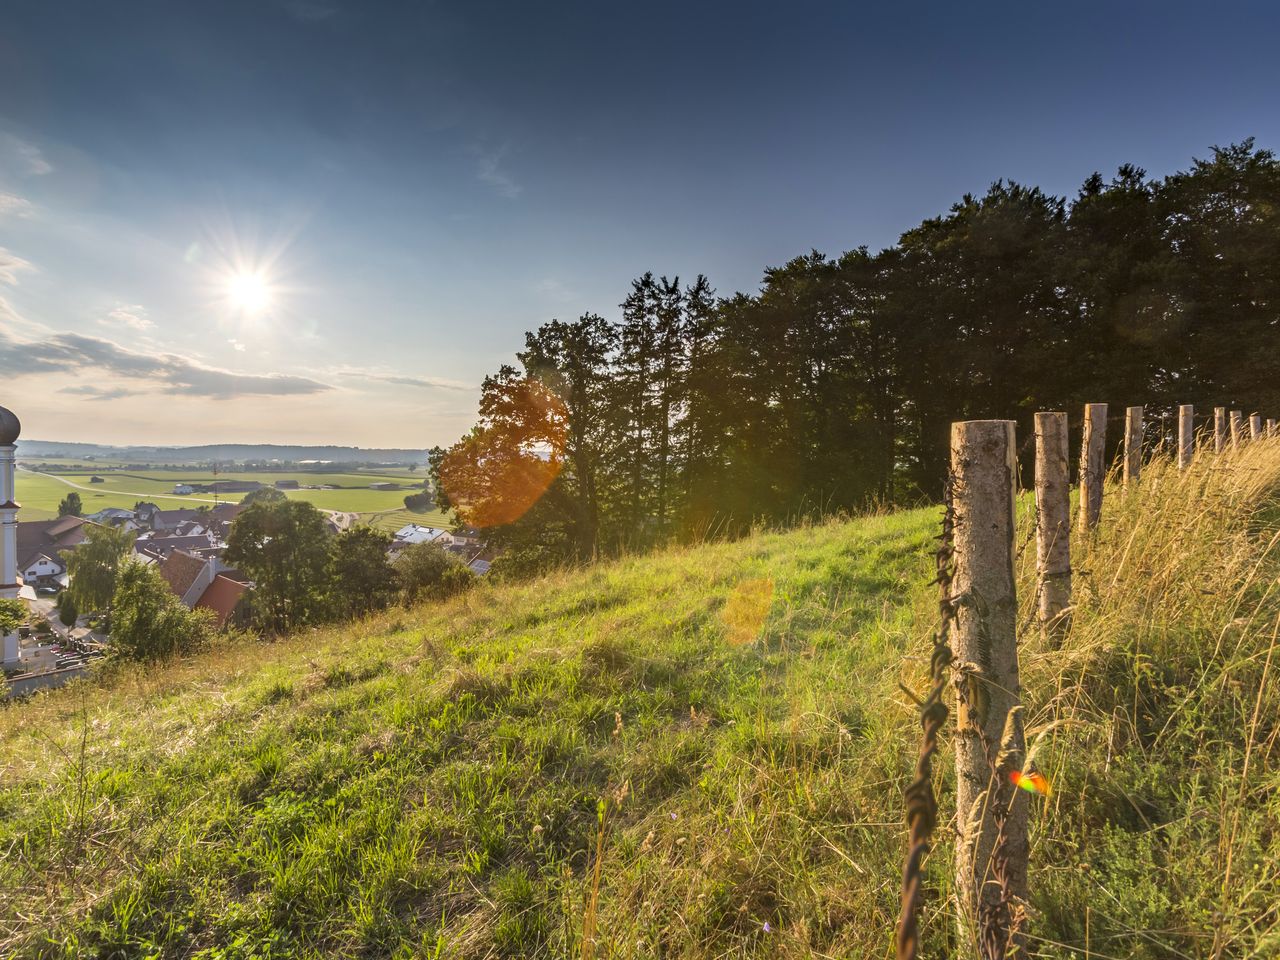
(978, 640)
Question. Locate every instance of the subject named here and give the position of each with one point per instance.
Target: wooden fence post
(1272, 429)
(991, 851)
(1132, 444)
(1186, 435)
(1237, 428)
(1219, 429)
(1255, 427)
(1092, 464)
(1053, 522)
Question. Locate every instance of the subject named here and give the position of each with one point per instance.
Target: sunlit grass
(428, 783)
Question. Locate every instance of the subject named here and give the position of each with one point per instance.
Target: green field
(40, 494)
(722, 729)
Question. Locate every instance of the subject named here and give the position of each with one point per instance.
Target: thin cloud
(11, 265)
(489, 170)
(168, 373)
(424, 383)
(12, 205)
(131, 315)
(26, 156)
(90, 392)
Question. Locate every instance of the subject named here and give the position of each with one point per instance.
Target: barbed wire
(922, 806)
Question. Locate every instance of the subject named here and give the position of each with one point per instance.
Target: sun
(249, 292)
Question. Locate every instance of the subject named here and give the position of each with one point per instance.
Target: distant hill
(217, 451)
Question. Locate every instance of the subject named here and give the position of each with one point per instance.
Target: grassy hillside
(719, 728)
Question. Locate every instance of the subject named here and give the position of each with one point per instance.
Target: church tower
(9, 586)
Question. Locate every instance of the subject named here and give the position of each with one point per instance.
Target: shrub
(427, 571)
(149, 622)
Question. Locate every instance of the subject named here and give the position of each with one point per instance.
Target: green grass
(430, 783)
(40, 494)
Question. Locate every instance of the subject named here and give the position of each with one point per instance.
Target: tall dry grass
(1157, 719)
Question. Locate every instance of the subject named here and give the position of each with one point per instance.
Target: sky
(324, 221)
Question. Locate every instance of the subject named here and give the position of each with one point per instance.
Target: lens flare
(1031, 782)
(746, 609)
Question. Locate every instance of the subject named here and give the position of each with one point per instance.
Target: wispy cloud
(90, 392)
(424, 383)
(167, 373)
(11, 265)
(489, 170)
(131, 315)
(26, 157)
(12, 205)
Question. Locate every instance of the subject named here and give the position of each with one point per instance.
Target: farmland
(40, 493)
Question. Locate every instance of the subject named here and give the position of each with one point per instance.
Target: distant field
(40, 494)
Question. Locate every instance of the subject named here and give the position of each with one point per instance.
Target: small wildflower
(766, 928)
(675, 816)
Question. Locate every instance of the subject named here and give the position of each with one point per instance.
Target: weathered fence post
(1255, 427)
(1272, 429)
(1092, 464)
(1132, 444)
(1237, 428)
(1219, 429)
(1186, 435)
(991, 851)
(1053, 522)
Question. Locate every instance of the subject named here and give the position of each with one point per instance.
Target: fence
(977, 643)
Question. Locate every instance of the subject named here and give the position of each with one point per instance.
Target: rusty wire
(922, 806)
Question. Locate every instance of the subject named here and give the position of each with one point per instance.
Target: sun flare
(249, 292)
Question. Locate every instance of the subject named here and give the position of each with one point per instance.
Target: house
(41, 545)
(412, 533)
(111, 516)
(382, 485)
(161, 544)
(479, 567)
(287, 485)
(97, 479)
(169, 520)
(183, 489)
(204, 582)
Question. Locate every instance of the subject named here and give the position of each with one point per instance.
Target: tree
(419, 502)
(283, 546)
(13, 614)
(149, 622)
(71, 505)
(427, 571)
(93, 566)
(67, 611)
(263, 495)
(363, 578)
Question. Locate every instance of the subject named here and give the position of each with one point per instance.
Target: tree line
(833, 387)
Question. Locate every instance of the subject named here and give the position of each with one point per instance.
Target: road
(341, 518)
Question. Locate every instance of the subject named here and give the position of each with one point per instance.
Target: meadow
(41, 493)
(694, 754)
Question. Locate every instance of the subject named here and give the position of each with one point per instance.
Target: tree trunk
(1132, 444)
(1053, 522)
(1186, 435)
(991, 860)
(1219, 429)
(1092, 464)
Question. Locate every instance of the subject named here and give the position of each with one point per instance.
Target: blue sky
(419, 183)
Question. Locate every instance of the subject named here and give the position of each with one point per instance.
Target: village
(56, 643)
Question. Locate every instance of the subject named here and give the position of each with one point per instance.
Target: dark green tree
(71, 505)
(149, 622)
(363, 578)
(93, 566)
(283, 546)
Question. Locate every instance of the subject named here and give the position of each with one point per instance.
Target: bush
(427, 571)
(67, 610)
(149, 622)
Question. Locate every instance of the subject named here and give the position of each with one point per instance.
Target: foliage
(833, 387)
(363, 578)
(283, 546)
(149, 623)
(68, 613)
(13, 613)
(419, 502)
(428, 571)
(71, 505)
(93, 566)
(438, 781)
(263, 495)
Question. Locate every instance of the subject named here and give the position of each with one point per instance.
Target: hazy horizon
(314, 221)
